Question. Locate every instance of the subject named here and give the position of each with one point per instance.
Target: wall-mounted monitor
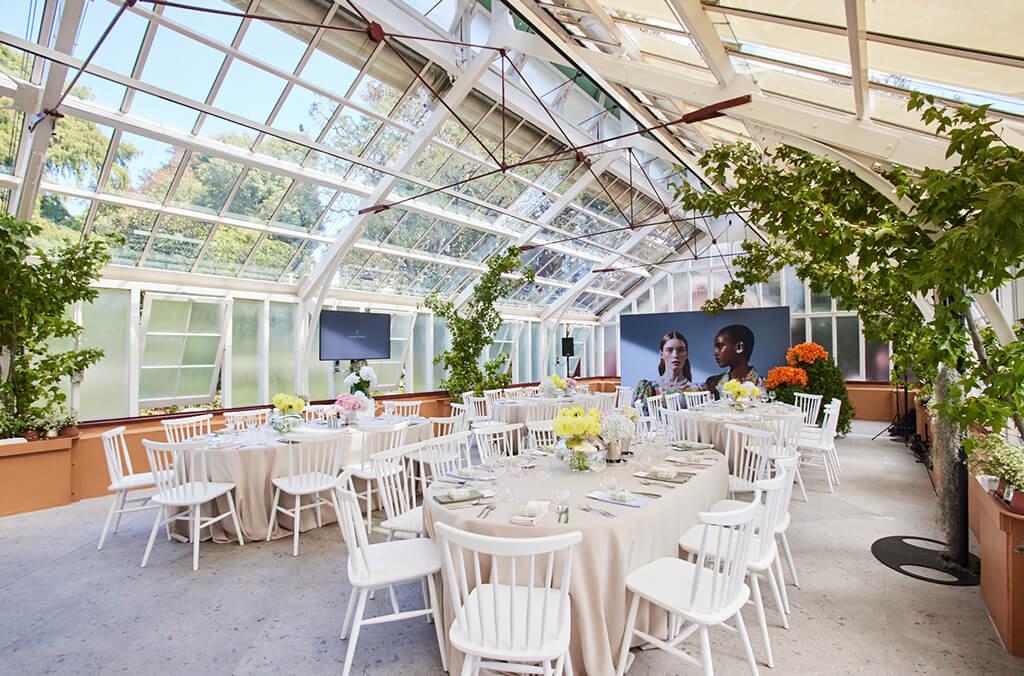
(354, 335)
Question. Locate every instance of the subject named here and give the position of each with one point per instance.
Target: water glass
(563, 496)
(609, 482)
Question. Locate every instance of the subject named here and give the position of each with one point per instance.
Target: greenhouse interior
(512, 336)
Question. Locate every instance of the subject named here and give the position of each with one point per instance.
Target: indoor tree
(910, 273)
(473, 326)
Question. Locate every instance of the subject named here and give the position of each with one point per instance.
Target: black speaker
(567, 347)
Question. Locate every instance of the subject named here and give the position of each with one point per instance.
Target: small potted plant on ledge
(68, 424)
(993, 456)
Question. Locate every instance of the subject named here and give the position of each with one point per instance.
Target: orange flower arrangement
(786, 375)
(805, 353)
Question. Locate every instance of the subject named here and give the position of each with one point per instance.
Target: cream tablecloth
(515, 410)
(611, 548)
(251, 460)
(714, 417)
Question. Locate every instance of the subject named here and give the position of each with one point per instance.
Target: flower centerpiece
(361, 378)
(617, 430)
(741, 393)
(993, 456)
(553, 386)
(570, 385)
(352, 404)
(287, 408)
(785, 382)
(578, 432)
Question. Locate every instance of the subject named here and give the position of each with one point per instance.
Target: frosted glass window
(281, 373)
(698, 290)
(848, 346)
(821, 332)
(794, 291)
(320, 372)
(538, 371)
(876, 361)
(662, 298)
(821, 302)
(680, 291)
(797, 331)
(771, 291)
(246, 327)
(181, 350)
(611, 346)
(441, 343)
(420, 357)
(523, 355)
(104, 389)
(644, 303)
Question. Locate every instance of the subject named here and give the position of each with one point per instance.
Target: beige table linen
(713, 418)
(611, 548)
(511, 411)
(259, 457)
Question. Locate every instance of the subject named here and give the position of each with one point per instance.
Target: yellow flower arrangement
(574, 424)
(288, 404)
(740, 390)
(558, 381)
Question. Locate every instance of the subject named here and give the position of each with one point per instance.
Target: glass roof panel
(276, 44)
(76, 151)
(228, 250)
(338, 216)
(132, 225)
(952, 22)
(176, 243)
(61, 217)
(143, 168)
(410, 230)
(350, 266)
(751, 34)
(119, 50)
(206, 183)
(808, 10)
(304, 112)
(271, 257)
(351, 132)
(249, 91)
(216, 26)
(258, 195)
(374, 273)
(163, 112)
(10, 134)
(304, 205)
(173, 54)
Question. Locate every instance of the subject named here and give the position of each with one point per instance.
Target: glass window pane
(848, 346)
(698, 289)
(131, 225)
(104, 390)
(249, 92)
(205, 318)
(176, 243)
(821, 333)
(771, 291)
(173, 54)
(282, 348)
(206, 183)
(821, 302)
(195, 382)
(258, 195)
(271, 257)
(797, 331)
(228, 250)
(163, 350)
(245, 341)
(168, 316)
(157, 383)
(876, 361)
(200, 350)
(794, 291)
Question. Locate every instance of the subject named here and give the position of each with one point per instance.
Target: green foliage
(38, 288)
(786, 393)
(991, 455)
(473, 326)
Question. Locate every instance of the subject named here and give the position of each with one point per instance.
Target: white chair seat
(738, 485)
(396, 561)
(667, 582)
(409, 522)
(305, 484)
(133, 482)
(732, 505)
(192, 493)
(367, 473)
(529, 608)
(759, 560)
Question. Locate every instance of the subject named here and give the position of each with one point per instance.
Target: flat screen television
(354, 335)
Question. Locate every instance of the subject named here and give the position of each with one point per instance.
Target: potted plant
(823, 378)
(69, 424)
(785, 381)
(993, 456)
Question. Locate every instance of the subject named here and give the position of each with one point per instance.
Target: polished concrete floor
(66, 608)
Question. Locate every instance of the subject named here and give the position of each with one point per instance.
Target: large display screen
(673, 351)
(354, 335)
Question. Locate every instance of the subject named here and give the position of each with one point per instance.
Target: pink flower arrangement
(570, 383)
(350, 402)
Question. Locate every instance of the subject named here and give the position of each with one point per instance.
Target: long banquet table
(611, 547)
(712, 418)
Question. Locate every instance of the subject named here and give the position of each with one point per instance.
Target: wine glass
(771, 396)
(598, 464)
(609, 482)
(563, 496)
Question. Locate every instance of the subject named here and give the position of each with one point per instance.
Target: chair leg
(120, 510)
(755, 591)
(152, 537)
(435, 607)
(426, 598)
(273, 513)
(319, 520)
(828, 471)
(800, 484)
(780, 578)
(234, 518)
(347, 621)
(568, 664)
(627, 638)
(546, 666)
(560, 665)
(110, 515)
(196, 513)
(467, 665)
(337, 512)
(705, 651)
(357, 620)
(789, 559)
(394, 598)
(777, 595)
(296, 525)
(369, 506)
(748, 650)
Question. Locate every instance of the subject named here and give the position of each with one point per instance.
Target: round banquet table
(511, 411)
(251, 459)
(610, 549)
(712, 418)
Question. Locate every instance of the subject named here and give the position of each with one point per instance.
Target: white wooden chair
(476, 409)
(376, 438)
(442, 455)
(319, 412)
(504, 621)
(656, 409)
(582, 388)
(459, 410)
(542, 409)
(180, 430)
(539, 434)
(697, 399)
(396, 487)
(247, 420)
(442, 427)
(682, 425)
(787, 429)
(123, 479)
(492, 396)
(763, 558)
(385, 564)
(313, 463)
(820, 450)
(674, 401)
(623, 396)
(182, 481)
(748, 451)
(810, 406)
(496, 441)
(402, 408)
(703, 594)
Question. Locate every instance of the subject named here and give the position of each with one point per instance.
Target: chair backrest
(247, 420)
(445, 454)
(604, 401)
(623, 395)
(810, 405)
(645, 425)
(774, 492)
(441, 427)
(378, 438)
(492, 396)
(402, 408)
(540, 433)
(682, 425)
(830, 425)
(353, 530)
(785, 426)
(655, 406)
(315, 412)
(496, 441)
(183, 429)
(396, 478)
(722, 561)
(177, 466)
(476, 407)
(747, 451)
(312, 457)
(674, 401)
(512, 579)
(787, 464)
(542, 409)
(697, 399)
(458, 410)
(115, 448)
(515, 392)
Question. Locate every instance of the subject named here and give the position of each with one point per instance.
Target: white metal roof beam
(856, 33)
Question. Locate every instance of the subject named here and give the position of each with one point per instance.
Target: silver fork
(588, 508)
(485, 512)
(645, 482)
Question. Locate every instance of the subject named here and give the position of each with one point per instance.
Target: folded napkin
(666, 474)
(531, 512)
(472, 474)
(456, 495)
(620, 497)
(696, 462)
(691, 445)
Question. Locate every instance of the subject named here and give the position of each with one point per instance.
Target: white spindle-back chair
(540, 434)
(623, 396)
(396, 474)
(787, 428)
(819, 448)
(496, 441)
(247, 420)
(656, 409)
(702, 594)
(313, 464)
(582, 388)
(492, 396)
(441, 427)
(371, 566)
(476, 409)
(682, 425)
(810, 406)
(180, 430)
(697, 398)
(511, 599)
(375, 438)
(445, 454)
(318, 412)
(674, 401)
(542, 409)
(402, 408)
(182, 481)
(123, 479)
(748, 451)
